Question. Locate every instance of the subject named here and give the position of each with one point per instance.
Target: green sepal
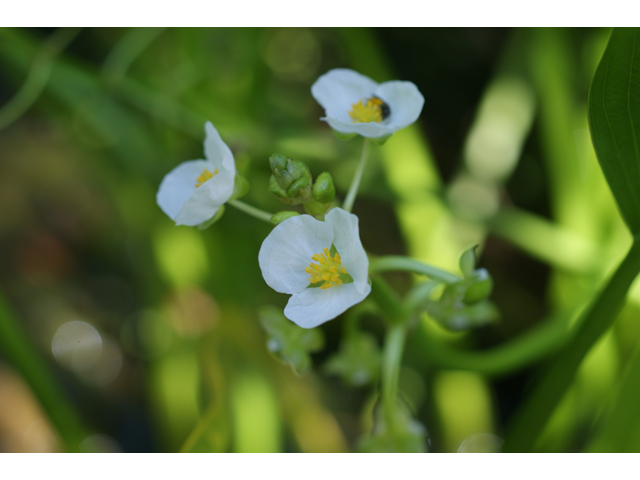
(212, 220)
(290, 343)
(240, 187)
(381, 140)
(298, 188)
(276, 189)
(282, 216)
(344, 136)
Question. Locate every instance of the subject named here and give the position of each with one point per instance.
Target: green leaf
(614, 120)
(289, 342)
(620, 428)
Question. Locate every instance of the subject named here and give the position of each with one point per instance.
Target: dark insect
(385, 111)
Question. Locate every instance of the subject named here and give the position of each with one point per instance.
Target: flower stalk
(391, 361)
(253, 211)
(357, 177)
(406, 264)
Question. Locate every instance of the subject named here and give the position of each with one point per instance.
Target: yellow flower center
(328, 269)
(370, 110)
(204, 176)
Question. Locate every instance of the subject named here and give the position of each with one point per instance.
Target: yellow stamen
(204, 176)
(327, 270)
(370, 110)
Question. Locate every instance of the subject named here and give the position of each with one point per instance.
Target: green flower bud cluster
(290, 180)
(465, 304)
(292, 183)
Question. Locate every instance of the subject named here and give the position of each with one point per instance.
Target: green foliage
(614, 120)
(358, 361)
(95, 117)
(289, 342)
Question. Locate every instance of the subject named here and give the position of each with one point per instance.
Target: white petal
(367, 129)
(287, 251)
(219, 187)
(338, 89)
(216, 151)
(179, 185)
(314, 306)
(405, 102)
(198, 209)
(347, 241)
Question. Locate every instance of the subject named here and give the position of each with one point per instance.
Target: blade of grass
(540, 404)
(19, 351)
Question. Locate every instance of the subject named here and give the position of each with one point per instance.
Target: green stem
(357, 178)
(391, 361)
(388, 300)
(253, 211)
(500, 360)
(394, 310)
(393, 262)
(538, 407)
(18, 350)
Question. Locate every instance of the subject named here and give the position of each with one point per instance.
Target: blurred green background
(145, 337)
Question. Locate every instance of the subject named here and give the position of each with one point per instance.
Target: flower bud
(323, 189)
(291, 180)
(282, 216)
(468, 261)
(480, 288)
(240, 187)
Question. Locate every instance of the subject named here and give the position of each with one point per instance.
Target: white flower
(297, 258)
(193, 192)
(354, 103)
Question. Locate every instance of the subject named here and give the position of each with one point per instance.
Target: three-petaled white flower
(194, 191)
(321, 264)
(354, 103)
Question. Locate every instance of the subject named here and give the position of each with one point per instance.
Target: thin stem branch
(396, 262)
(253, 211)
(357, 177)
